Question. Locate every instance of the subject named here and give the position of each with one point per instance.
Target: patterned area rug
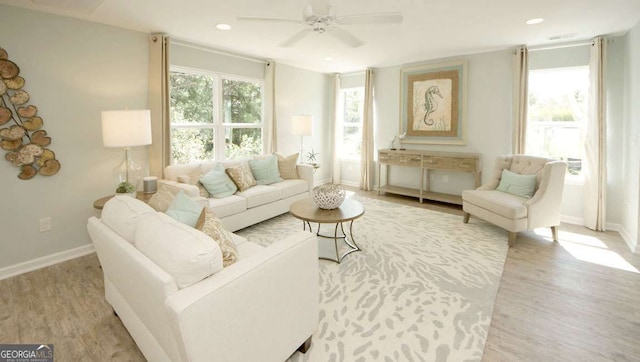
(422, 288)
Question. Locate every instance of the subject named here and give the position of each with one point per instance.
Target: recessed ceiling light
(328, 58)
(534, 21)
(223, 26)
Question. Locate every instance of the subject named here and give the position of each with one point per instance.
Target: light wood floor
(551, 305)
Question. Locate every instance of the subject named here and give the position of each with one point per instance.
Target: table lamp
(301, 126)
(126, 129)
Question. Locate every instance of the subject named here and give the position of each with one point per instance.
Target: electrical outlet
(445, 178)
(45, 224)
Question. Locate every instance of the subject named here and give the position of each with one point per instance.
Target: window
(214, 116)
(351, 111)
(557, 114)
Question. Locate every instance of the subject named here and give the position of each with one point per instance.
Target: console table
(426, 161)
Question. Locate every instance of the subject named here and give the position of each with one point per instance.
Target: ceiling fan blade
(273, 20)
(296, 37)
(345, 37)
(385, 18)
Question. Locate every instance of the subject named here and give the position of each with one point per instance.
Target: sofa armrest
(174, 187)
(305, 172)
(262, 308)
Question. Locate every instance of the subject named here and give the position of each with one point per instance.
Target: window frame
(570, 179)
(219, 127)
(342, 123)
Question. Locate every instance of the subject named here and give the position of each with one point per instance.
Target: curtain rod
(559, 46)
(205, 48)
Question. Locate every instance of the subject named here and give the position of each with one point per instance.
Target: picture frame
(433, 103)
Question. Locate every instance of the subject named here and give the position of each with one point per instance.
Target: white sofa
(256, 204)
(261, 308)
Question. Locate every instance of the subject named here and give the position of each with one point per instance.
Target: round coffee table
(307, 211)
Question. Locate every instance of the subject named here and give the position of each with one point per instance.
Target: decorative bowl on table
(328, 196)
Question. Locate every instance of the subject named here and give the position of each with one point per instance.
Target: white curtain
(337, 134)
(159, 103)
(520, 98)
(270, 120)
(366, 156)
(595, 166)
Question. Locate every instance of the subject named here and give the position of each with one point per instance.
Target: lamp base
(127, 174)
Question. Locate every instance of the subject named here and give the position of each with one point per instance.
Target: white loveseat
(261, 308)
(256, 204)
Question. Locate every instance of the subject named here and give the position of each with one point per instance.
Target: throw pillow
(265, 170)
(184, 209)
(241, 176)
(218, 183)
(213, 227)
(188, 255)
(193, 178)
(287, 166)
(516, 184)
(161, 200)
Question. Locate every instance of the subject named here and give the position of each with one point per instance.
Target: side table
(99, 203)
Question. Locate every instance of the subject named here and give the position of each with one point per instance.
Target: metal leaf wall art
(21, 134)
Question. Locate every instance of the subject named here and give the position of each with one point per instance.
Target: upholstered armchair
(517, 201)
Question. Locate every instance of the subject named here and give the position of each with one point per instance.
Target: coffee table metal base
(350, 241)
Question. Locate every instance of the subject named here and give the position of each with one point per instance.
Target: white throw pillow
(122, 214)
(187, 254)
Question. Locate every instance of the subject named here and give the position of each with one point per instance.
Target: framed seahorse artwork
(433, 100)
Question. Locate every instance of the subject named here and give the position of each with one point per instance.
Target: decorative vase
(328, 196)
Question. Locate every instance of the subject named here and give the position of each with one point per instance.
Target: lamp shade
(301, 125)
(126, 128)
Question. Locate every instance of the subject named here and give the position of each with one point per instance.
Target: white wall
(192, 56)
(73, 71)
(631, 146)
(300, 91)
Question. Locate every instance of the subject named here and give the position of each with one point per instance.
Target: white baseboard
(350, 183)
(45, 261)
(321, 182)
(632, 243)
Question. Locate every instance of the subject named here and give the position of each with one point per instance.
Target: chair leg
(305, 346)
(512, 238)
(466, 217)
(554, 233)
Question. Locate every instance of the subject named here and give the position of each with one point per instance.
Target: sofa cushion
(218, 183)
(241, 176)
(515, 184)
(184, 209)
(193, 178)
(265, 170)
(187, 254)
(291, 187)
(227, 206)
(260, 195)
(501, 203)
(161, 200)
(122, 214)
(213, 227)
(287, 166)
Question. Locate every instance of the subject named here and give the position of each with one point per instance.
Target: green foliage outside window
(195, 129)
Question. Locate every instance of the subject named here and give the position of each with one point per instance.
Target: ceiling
(430, 29)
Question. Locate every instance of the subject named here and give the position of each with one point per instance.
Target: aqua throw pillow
(516, 184)
(218, 183)
(265, 170)
(184, 209)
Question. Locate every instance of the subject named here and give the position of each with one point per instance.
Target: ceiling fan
(329, 23)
